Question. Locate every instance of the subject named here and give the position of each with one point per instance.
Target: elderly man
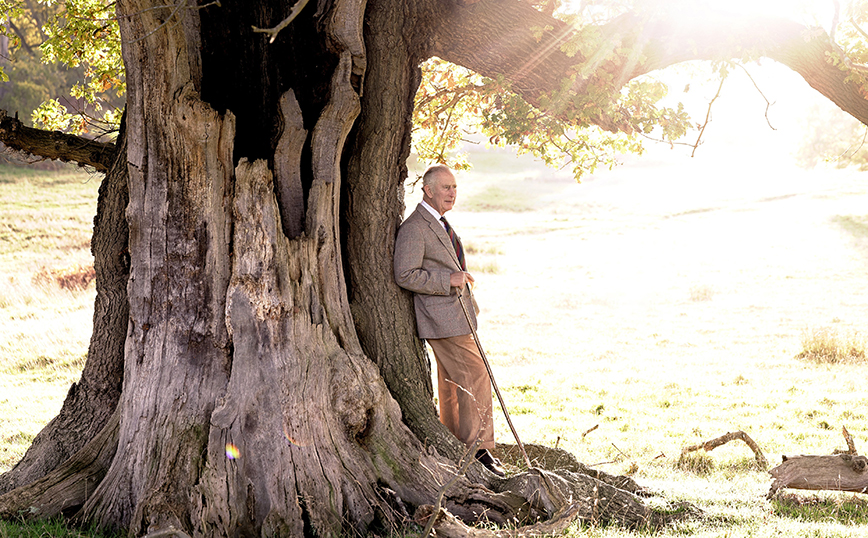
(429, 261)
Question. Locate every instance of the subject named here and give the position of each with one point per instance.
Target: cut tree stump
(708, 446)
(843, 471)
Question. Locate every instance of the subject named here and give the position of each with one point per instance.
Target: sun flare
(813, 11)
(804, 11)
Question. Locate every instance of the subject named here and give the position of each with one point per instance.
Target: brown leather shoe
(491, 463)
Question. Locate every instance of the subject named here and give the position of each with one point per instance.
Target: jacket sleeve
(432, 279)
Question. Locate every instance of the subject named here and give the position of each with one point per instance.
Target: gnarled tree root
(65, 490)
(547, 502)
(551, 459)
(449, 526)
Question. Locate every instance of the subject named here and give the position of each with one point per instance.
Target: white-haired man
(429, 261)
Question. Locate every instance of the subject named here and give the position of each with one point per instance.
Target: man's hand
(459, 279)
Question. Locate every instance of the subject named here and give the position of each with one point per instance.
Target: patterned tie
(456, 243)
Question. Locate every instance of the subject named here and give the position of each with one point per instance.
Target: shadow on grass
(845, 509)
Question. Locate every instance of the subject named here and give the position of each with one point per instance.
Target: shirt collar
(431, 210)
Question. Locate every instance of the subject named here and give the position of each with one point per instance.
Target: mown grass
(46, 221)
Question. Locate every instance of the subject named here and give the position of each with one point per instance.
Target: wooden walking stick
(491, 377)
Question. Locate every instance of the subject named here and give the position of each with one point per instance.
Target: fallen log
(840, 472)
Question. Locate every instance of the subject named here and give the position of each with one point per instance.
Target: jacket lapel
(437, 227)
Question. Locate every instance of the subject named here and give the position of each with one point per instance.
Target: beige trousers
(464, 390)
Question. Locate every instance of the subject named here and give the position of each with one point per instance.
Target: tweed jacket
(424, 261)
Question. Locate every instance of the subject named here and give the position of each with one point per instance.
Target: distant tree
(834, 138)
(254, 369)
(64, 68)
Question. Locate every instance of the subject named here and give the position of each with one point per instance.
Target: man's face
(442, 192)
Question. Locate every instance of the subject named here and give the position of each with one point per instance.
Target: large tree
(254, 369)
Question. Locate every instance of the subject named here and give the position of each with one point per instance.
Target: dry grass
(46, 296)
(73, 277)
(483, 257)
(701, 293)
(699, 463)
(828, 346)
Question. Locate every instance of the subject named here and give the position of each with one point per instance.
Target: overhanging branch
(56, 145)
(532, 56)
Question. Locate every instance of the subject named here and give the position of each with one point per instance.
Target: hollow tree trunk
(240, 336)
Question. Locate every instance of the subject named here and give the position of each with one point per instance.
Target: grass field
(46, 221)
(663, 304)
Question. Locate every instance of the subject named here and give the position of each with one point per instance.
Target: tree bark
(245, 333)
(374, 207)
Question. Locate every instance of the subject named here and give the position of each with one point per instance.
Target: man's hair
(433, 172)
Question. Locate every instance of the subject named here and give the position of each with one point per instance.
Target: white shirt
(434, 212)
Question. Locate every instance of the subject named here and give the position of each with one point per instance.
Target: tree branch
(511, 39)
(56, 145)
(273, 32)
(707, 116)
(21, 36)
(708, 446)
(763, 95)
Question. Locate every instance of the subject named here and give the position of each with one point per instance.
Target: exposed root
(66, 489)
(546, 503)
(448, 525)
(552, 459)
(546, 500)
